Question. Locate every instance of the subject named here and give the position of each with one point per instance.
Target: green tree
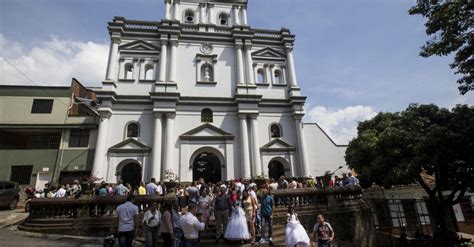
(396, 148)
(450, 24)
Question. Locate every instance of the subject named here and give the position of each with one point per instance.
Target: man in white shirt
(61, 192)
(191, 227)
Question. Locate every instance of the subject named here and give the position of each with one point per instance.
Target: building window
(206, 115)
(278, 77)
(149, 72)
(223, 19)
(42, 106)
(44, 141)
(260, 76)
(128, 71)
(207, 73)
(132, 130)
(79, 138)
(275, 131)
(21, 174)
(189, 16)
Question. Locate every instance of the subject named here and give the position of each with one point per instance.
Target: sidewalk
(12, 217)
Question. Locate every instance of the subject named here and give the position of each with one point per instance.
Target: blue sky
(354, 57)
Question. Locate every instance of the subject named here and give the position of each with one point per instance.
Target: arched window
(128, 71)
(206, 115)
(189, 16)
(223, 19)
(132, 130)
(149, 72)
(275, 131)
(207, 73)
(278, 77)
(260, 76)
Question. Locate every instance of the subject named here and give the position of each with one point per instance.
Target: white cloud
(52, 62)
(340, 124)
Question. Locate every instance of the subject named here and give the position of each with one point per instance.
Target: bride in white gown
(237, 228)
(295, 234)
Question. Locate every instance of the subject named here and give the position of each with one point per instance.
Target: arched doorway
(131, 173)
(275, 169)
(208, 166)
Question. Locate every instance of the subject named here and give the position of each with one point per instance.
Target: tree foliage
(395, 148)
(450, 23)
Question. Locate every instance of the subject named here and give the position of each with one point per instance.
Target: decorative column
(268, 74)
(291, 66)
(244, 146)
(202, 14)
(163, 56)
(99, 168)
(136, 69)
(113, 59)
(155, 170)
(235, 13)
(167, 9)
(210, 14)
(240, 65)
(304, 168)
(172, 69)
(169, 144)
(244, 15)
(257, 165)
(176, 15)
(284, 76)
(248, 55)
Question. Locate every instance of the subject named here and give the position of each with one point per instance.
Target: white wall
(323, 154)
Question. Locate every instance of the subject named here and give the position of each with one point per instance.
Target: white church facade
(202, 94)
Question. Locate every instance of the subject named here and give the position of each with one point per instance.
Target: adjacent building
(44, 135)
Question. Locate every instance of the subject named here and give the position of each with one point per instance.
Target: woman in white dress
(237, 227)
(295, 234)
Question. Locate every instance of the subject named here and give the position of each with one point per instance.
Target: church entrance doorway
(131, 173)
(275, 169)
(208, 166)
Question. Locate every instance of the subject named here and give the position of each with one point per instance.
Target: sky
(354, 58)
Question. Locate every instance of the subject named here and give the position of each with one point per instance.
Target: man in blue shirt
(127, 222)
(151, 187)
(266, 215)
(121, 190)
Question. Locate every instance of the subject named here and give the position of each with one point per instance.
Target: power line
(31, 80)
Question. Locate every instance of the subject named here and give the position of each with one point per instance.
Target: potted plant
(88, 184)
(171, 179)
(260, 180)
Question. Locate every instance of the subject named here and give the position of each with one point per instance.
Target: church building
(203, 94)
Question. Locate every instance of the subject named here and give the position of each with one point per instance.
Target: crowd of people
(239, 210)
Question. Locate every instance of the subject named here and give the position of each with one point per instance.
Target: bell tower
(207, 12)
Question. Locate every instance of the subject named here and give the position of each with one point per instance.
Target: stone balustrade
(343, 207)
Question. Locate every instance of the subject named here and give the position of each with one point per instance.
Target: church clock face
(206, 48)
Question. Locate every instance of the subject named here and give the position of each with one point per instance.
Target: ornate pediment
(207, 131)
(139, 46)
(277, 145)
(129, 146)
(268, 54)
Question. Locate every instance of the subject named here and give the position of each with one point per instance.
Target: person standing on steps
(127, 222)
(221, 212)
(166, 226)
(323, 233)
(266, 215)
(191, 227)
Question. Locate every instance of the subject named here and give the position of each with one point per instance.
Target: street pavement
(12, 237)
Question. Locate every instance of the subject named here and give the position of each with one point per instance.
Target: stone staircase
(208, 237)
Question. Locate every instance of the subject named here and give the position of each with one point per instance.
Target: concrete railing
(344, 208)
